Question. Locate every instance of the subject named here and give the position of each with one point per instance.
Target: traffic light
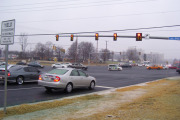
(57, 37)
(138, 36)
(72, 36)
(96, 36)
(115, 36)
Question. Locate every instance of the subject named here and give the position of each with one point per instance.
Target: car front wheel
(20, 80)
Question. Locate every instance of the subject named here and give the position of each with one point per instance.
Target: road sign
(147, 36)
(174, 38)
(7, 32)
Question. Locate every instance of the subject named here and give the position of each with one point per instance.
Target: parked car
(178, 69)
(67, 79)
(59, 65)
(20, 74)
(2, 63)
(35, 64)
(165, 67)
(114, 67)
(21, 63)
(158, 67)
(78, 66)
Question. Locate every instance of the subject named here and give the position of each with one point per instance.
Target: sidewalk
(155, 100)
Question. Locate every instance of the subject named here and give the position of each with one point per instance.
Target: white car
(67, 79)
(114, 67)
(59, 65)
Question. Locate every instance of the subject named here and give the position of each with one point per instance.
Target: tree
(132, 54)
(84, 49)
(105, 54)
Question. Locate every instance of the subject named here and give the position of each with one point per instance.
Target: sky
(73, 16)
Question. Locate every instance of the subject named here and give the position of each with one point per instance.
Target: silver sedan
(67, 79)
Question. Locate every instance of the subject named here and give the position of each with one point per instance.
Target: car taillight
(40, 78)
(9, 74)
(57, 79)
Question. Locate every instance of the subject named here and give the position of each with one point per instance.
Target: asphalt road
(31, 92)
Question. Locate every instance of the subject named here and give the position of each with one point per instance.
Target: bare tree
(104, 54)
(72, 51)
(84, 49)
(133, 54)
(23, 43)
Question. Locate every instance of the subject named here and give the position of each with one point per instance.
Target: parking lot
(31, 92)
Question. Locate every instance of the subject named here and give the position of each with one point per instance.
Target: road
(31, 92)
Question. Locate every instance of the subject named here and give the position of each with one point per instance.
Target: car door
(84, 81)
(75, 78)
(34, 73)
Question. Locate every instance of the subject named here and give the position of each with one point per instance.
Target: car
(21, 74)
(158, 67)
(2, 63)
(59, 65)
(126, 65)
(114, 67)
(172, 67)
(78, 66)
(165, 67)
(35, 64)
(21, 63)
(178, 69)
(67, 79)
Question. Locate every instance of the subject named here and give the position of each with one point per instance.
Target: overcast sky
(71, 16)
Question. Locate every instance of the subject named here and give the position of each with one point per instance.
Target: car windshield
(58, 71)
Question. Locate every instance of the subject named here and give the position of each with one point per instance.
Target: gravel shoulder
(154, 100)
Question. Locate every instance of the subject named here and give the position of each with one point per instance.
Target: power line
(101, 17)
(77, 6)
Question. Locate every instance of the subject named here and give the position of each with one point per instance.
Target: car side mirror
(87, 75)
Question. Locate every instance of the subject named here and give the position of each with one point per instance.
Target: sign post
(7, 38)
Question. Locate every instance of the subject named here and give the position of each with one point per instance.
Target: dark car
(20, 74)
(178, 69)
(126, 65)
(35, 64)
(20, 63)
(78, 66)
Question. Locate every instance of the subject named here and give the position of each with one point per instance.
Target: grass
(160, 101)
(27, 108)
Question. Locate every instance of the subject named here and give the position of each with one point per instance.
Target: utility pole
(76, 49)
(106, 53)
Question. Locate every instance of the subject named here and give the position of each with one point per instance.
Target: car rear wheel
(149, 68)
(69, 88)
(92, 85)
(20, 80)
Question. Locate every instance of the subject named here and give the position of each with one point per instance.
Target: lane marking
(104, 87)
(21, 89)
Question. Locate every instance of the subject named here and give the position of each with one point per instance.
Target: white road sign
(147, 36)
(7, 32)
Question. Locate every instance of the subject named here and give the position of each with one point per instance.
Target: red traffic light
(72, 37)
(138, 36)
(96, 36)
(57, 37)
(115, 36)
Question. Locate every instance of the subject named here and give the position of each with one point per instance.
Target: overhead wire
(65, 7)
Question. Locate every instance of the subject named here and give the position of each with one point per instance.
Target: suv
(78, 66)
(178, 69)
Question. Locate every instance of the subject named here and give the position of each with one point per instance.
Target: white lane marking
(21, 89)
(104, 87)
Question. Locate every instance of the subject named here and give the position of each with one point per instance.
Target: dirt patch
(155, 100)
